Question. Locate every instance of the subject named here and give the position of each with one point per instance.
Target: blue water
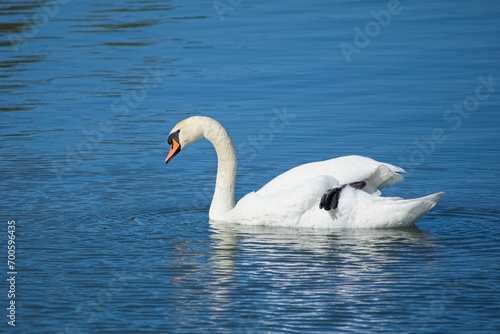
(109, 239)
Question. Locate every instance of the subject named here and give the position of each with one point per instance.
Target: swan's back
(345, 170)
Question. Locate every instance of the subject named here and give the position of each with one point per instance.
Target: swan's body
(292, 198)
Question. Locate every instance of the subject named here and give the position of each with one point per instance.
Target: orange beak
(174, 149)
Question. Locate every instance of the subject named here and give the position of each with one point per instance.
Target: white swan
(336, 193)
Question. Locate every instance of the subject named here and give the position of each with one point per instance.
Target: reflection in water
(260, 272)
(366, 247)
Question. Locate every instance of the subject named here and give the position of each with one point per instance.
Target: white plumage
(292, 198)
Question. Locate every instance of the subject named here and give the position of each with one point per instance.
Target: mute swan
(337, 193)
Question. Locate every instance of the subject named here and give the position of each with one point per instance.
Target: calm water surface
(109, 239)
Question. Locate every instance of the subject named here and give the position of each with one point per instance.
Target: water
(109, 239)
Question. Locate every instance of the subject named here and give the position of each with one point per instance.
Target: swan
(342, 192)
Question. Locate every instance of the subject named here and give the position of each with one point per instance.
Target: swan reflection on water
(354, 241)
(253, 273)
(337, 255)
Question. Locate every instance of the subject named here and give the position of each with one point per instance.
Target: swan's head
(184, 133)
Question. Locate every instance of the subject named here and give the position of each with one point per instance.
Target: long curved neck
(223, 200)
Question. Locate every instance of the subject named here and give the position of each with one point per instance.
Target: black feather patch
(358, 185)
(330, 199)
(322, 202)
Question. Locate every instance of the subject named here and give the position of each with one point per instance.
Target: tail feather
(411, 210)
(371, 211)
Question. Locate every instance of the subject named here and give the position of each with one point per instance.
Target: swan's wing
(288, 203)
(346, 170)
